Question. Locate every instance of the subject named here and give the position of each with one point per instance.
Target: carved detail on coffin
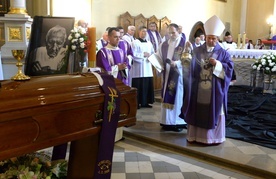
(17, 133)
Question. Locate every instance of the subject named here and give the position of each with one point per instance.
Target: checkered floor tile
(134, 160)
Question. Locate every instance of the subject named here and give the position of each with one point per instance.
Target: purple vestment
(104, 43)
(126, 47)
(152, 40)
(108, 58)
(183, 36)
(218, 92)
(169, 95)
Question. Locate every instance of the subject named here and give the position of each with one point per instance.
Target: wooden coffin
(52, 110)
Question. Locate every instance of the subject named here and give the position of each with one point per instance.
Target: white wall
(185, 12)
(80, 9)
(105, 13)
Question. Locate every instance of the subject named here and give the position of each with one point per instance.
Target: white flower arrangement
(266, 63)
(78, 40)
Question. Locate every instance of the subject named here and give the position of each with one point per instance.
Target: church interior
(141, 149)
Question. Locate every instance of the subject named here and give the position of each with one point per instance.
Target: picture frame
(4, 7)
(47, 53)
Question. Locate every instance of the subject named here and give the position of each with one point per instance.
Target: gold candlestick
(19, 55)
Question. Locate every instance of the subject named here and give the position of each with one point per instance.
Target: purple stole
(111, 112)
(124, 45)
(169, 96)
(104, 43)
(152, 39)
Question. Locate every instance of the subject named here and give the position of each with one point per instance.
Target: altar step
(196, 151)
(234, 154)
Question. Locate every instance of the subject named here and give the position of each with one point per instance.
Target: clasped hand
(212, 61)
(122, 66)
(146, 54)
(171, 62)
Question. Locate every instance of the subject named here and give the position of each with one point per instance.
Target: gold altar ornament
(28, 33)
(19, 55)
(17, 11)
(186, 59)
(15, 34)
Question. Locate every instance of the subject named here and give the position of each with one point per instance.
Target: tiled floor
(135, 160)
(166, 154)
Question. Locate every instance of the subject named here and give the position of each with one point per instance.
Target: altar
(243, 59)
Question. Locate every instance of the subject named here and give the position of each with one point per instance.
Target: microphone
(168, 61)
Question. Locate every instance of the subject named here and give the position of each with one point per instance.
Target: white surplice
(141, 66)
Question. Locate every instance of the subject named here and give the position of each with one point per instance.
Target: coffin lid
(50, 90)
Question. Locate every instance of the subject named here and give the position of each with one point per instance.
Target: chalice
(19, 55)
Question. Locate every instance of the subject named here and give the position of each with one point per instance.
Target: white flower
(74, 40)
(266, 63)
(77, 35)
(73, 47)
(82, 45)
(81, 39)
(78, 40)
(70, 37)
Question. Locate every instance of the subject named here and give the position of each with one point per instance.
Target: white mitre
(214, 26)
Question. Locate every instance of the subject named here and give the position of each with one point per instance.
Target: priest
(169, 54)
(112, 59)
(141, 70)
(205, 103)
(154, 36)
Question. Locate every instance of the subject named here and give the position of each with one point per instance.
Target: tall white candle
(239, 41)
(18, 3)
(243, 40)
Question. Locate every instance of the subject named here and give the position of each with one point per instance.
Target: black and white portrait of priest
(47, 49)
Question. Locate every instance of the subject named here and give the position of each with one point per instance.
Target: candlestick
(92, 47)
(243, 40)
(239, 41)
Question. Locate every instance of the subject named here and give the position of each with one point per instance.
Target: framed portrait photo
(46, 53)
